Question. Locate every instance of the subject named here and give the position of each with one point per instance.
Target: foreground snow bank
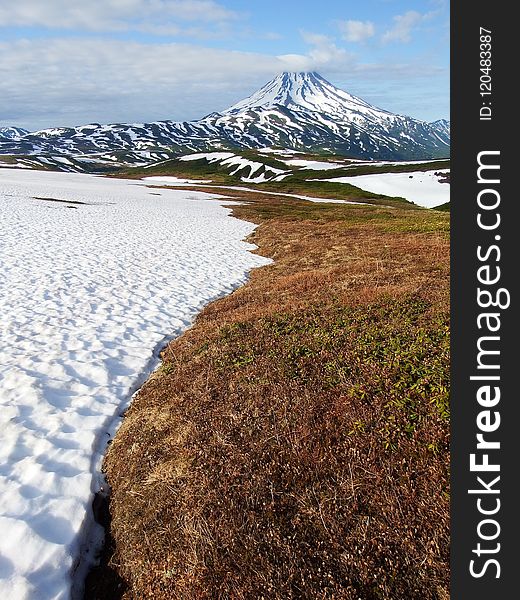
(89, 288)
(421, 187)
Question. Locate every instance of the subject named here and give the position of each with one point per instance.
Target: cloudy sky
(70, 62)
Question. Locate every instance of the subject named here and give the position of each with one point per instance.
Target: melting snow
(309, 198)
(382, 163)
(209, 156)
(278, 151)
(421, 187)
(166, 179)
(247, 189)
(90, 288)
(315, 165)
(227, 159)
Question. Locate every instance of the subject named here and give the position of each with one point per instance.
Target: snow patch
(421, 187)
(168, 179)
(314, 165)
(209, 156)
(90, 289)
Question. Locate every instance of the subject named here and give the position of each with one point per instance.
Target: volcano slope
(294, 443)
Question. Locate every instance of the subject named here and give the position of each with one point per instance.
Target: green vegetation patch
(394, 351)
(394, 218)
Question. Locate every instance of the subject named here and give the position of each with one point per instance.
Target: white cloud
(71, 81)
(404, 25)
(323, 53)
(356, 31)
(75, 81)
(111, 15)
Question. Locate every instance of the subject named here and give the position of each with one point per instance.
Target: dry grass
(294, 444)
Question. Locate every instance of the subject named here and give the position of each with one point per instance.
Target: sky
(72, 62)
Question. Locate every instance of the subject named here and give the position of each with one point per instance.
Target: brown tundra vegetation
(295, 441)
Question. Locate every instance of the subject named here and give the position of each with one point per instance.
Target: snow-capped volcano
(311, 92)
(317, 115)
(298, 111)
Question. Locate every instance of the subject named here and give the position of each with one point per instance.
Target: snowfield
(165, 179)
(90, 289)
(421, 187)
(315, 165)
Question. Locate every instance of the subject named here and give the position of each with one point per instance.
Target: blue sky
(67, 62)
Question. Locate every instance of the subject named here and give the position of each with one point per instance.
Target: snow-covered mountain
(311, 92)
(12, 133)
(442, 127)
(305, 111)
(299, 111)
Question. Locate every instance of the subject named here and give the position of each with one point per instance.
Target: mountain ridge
(299, 111)
(11, 133)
